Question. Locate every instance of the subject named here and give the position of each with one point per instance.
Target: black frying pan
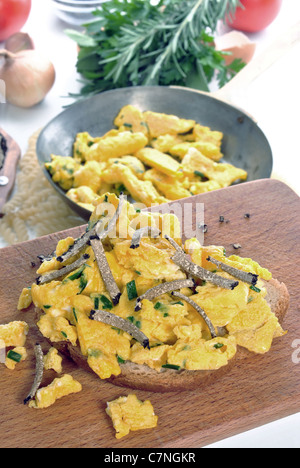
(244, 146)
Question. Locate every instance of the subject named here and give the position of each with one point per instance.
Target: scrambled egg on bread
(14, 333)
(179, 337)
(154, 157)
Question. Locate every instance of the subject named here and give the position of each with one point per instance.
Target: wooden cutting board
(264, 389)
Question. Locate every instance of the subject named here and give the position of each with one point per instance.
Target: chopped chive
(75, 315)
(77, 274)
(186, 348)
(96, 302)
(47, 306)
(135, 322)
(254, 288)
(14, 356)
(94, 353)
(199, 174)
(106, 303)
(64, 334)
(147, 127)
(83, 282)
(218, 345)
(131, 290)
(250, 299)
(171, 366)
(120, 360)
(121, 188)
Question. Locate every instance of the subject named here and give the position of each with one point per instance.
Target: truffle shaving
(105, 271)
(112, 223)
(163, 289)
(63, 271)
(45, 258)
(96, 232)
(250, 278)
(143, 232)
(199, 310)
(122, 324)
(174, 244)
(79, 244)
(182, 260)
(39, 372)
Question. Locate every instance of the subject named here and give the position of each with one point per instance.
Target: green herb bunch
(137, 43)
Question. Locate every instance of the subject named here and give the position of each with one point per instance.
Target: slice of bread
(168, 380)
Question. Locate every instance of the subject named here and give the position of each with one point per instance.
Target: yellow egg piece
(128, 413)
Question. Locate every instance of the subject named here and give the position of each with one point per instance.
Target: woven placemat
(35, 209)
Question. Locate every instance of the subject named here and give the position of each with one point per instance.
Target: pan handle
(9, 169)
(259, 65)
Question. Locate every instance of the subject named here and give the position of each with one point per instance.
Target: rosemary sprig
(135, 43)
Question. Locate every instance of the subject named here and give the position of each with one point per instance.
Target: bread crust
(141, 377)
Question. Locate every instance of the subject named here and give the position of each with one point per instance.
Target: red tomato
(13, 16)
(256, 15)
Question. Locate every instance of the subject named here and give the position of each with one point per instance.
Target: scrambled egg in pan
(154, 157)
(178, 336)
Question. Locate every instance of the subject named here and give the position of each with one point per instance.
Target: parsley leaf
(136, 43)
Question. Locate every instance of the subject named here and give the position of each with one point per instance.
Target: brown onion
(28, 76)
